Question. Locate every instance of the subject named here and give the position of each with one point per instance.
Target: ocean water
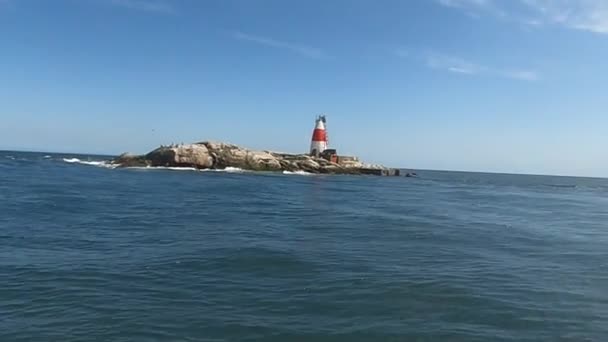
(90, 253)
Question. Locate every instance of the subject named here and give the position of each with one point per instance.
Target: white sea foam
(174, 168)
(47, 157)
(298, 172)
(233, 169)
(90, 162)
(228, 169)
(182, 168)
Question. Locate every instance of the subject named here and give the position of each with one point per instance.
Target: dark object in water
(411, 174)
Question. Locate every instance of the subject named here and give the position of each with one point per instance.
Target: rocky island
(217, 155)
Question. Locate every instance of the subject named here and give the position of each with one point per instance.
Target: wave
(10, 157)
(185, 168)
(47, 157)
(229, 169)
(173, 168)
(90, 162)
(109, 165)
(299, 172)
(559, 185)
(177, 168)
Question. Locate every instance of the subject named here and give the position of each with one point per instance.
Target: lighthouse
(319, 137)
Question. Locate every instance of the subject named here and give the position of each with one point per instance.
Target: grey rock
(229, 155)
(188, 155)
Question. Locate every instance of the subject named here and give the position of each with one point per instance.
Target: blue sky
(503, 86)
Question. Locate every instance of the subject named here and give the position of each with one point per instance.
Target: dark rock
(129, 160)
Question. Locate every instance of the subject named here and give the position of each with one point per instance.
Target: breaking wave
(229, 169)
(299, 172)
(182, 168)
(107, 164)
(92, 162)
(173, 168)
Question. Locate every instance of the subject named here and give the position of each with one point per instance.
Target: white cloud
(588, 15)
(524, 75)
(303, 50)
(475, 8)
(463, 3)
(453, 64)
(146, 5)
(460, 66)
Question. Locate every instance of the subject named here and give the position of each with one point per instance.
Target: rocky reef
(217, 155)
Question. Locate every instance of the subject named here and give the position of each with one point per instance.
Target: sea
(94, 253)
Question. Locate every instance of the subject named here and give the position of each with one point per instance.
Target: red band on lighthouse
(319, 135)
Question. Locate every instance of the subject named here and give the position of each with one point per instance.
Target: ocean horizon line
(506, 173)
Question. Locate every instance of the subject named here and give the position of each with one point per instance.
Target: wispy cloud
(158, 6)
(304, 50)
(453, 64)
(464, 3)
(525, 75)
(460, 66)
(588, 15)
(475, 8)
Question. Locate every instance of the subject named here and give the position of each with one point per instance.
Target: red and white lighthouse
(319, 137)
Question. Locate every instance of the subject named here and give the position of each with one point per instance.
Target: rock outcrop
(217, 155)
(189, 155)
(229, 155)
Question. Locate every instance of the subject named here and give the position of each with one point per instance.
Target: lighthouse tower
(319, 137)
